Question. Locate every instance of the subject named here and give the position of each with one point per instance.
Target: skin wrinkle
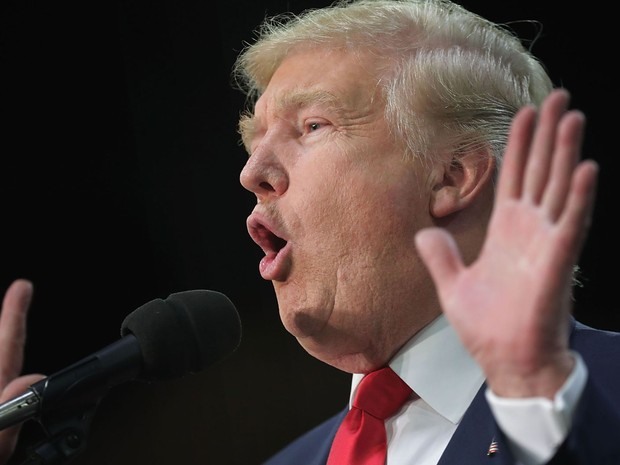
(249, 125)
(344, 116)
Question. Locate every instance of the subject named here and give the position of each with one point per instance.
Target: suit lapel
(323, 452)
(477, 440)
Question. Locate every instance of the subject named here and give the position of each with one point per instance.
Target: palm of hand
(511, 305)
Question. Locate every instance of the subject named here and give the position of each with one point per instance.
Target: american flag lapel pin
(492, 448)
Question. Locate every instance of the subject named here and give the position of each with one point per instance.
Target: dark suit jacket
(593, 440)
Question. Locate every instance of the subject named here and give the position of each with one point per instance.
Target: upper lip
(266, 232)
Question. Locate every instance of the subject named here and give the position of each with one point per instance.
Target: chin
(302, 323)
(339, 357)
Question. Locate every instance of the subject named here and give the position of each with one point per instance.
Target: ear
(457, 183)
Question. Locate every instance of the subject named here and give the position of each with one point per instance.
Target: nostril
(266, 186)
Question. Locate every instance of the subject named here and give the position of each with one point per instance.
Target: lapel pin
(492, 448)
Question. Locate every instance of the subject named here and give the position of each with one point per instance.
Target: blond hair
(450, 78)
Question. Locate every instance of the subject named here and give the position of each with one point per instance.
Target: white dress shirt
(439, 369)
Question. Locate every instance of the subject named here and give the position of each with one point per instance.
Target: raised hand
(12, 340)
(511, 306)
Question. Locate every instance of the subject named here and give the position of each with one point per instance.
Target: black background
(119, 184)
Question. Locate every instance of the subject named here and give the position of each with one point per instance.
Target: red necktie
(361, 438)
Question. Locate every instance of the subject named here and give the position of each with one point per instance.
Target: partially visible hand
(12, 340)
(511, 306)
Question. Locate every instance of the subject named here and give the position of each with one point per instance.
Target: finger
(19, 385)
(543, 144)
(515, 157)
(565, 159)
(440, 255)
(13, 329)
(576, 217)
(8, 442)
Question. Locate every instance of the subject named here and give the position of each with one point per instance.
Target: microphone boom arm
(20, 408)
(87, 380)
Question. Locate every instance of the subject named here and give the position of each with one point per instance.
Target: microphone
(162, 339)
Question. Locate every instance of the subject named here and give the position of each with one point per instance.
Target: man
(374, 143)
(376, 134)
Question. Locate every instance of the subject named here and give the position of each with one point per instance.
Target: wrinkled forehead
(334, 78)
(300, 97)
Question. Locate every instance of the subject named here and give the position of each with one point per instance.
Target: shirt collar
(438, 368)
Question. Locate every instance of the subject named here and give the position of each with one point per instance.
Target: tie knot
(381, 393)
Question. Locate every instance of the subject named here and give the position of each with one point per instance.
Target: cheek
(386, 207)
(327, 202)
(347, 205)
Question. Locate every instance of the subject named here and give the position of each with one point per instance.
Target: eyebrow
(248, 123)
(304, 98)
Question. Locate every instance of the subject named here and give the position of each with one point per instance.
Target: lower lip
(273, 267)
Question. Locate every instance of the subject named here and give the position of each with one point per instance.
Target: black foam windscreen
(184, 333)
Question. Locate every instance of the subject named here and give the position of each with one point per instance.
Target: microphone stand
(66, 433)
(71, 397)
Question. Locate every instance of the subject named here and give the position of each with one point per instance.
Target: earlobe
(457, 184)
(444, 201)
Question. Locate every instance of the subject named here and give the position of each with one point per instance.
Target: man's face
(338, 205)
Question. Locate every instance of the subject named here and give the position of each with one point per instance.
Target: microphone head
(184, 333)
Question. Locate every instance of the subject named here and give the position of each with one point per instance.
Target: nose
(264, 175)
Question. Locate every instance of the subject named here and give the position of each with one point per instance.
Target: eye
(313, 126)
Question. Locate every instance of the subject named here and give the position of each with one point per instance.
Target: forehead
(299, 97)
(331, 78)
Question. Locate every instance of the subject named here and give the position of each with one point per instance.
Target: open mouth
(266, 239)
(275, 265)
